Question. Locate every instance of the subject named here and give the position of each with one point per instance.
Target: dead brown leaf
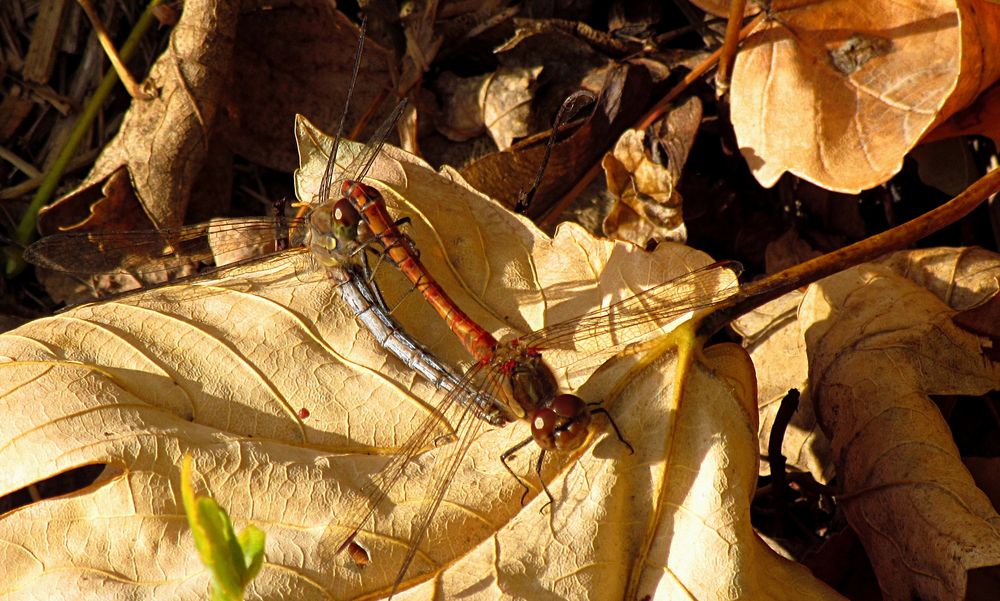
(775, 336)
(982, 117)
(642, 175)
(164, 142)
(774, 339)
(881, 340)
(461, 115)
(504, 175)
(838, 96)
(225, 88)
(297, 58)
(507, 104)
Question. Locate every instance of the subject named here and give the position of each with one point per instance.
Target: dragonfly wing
(340, 166)
(449, 411)
(151, 252)
(167, 257)
(591, 339)
(359, 167)
(466, 431)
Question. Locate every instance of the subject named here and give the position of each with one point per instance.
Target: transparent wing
(151, 252)
(465, 427)
(357, 169)
(327, 181)
(602, 333)
(444, 472)
(363, 162)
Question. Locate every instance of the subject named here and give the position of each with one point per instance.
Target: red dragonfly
(514, 371)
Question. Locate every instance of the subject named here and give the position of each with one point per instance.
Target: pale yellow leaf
(670, 522)
(220, 369)
(774, 339)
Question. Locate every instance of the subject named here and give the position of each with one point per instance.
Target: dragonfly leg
(369, 271)
(509, 454)
(389, 241)
(369, 276)
(545, 488)
(383, 253)
(399, 240)
(366, 245)
(614, 426)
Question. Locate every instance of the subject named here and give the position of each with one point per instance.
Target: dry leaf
(948, 165)
(625, 526)
(108, 204)
(838, 96)
(643, 173)
(772, 336)
(881, 340)
(461, 115)
(175, 151)
(298, 58)
(720, 8)
(164, 142)
(982, 117)
(506, 100)
(775, 337)
(788, 250)
(222, 369)
(503, 175)
(422, 44)
(537, 71)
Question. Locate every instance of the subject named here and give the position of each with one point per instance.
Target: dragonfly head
(334, 232)
(562, 424)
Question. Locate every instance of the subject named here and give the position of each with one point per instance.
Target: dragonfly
(514, 370)
(331, 232)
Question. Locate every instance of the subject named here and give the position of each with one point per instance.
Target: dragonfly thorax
(530, 382)
(363, 194)
(334, 232)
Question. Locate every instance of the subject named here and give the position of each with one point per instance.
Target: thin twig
(24, 166)
(32, 184)
(728, 56)
(762, 291)
(135, 90)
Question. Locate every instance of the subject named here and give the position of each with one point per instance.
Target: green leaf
(234, 561)
(252, 542)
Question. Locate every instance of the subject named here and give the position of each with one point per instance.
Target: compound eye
(543, 426)
(567, 405)
(345, 214)
(572, 435)
(319, 220)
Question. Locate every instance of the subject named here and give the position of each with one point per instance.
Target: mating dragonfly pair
(509, 380)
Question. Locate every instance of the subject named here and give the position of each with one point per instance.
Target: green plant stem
(26, 228)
